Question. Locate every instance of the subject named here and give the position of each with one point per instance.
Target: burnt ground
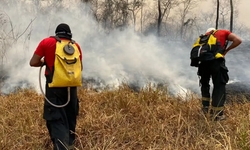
(238, 92)
(238, 63)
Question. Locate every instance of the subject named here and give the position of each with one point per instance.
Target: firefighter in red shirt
(217, 70)
(60, 122)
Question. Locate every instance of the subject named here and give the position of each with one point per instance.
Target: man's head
(210, 29)
(63, 30)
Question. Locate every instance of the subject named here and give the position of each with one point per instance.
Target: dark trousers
(61, 122)
(217, 70)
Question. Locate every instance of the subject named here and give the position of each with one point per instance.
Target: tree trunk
(231, 17)
(159, 18)
(217, 15)
(141, 15)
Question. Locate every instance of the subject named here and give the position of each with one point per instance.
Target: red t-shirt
(47, 48)
(221, 36)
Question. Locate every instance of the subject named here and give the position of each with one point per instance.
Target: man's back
(221, 36)
(60, 119)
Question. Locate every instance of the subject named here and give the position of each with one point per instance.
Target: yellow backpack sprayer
(67, 68)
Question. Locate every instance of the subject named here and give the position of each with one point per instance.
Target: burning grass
(126, 120)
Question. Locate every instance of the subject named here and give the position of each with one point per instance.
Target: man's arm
(235, 42)
(36, 61)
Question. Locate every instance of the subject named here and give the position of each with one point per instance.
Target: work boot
(205, 110)
(217, 115)
(220, 118)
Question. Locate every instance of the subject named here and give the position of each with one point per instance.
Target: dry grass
(126, 120)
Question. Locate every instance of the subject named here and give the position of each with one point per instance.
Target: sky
(244, 11)
(121, 57)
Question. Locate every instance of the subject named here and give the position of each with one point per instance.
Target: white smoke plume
(108, 59)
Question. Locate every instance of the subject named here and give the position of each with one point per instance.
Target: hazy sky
(244, 10)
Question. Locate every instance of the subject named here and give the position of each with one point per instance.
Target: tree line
(178, 19)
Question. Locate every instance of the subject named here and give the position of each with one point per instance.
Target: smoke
(122, 56)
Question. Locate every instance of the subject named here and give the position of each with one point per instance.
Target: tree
(231, 17)
(217, 14)
(185, 8)
(226, 13)
(164, 8)
(134, 7)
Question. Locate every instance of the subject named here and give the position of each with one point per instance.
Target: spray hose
(40, 84)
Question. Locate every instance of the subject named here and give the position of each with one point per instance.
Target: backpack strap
(226, 42)
(59, 40)
(213, 32)
(225, 45)
(51, 72)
